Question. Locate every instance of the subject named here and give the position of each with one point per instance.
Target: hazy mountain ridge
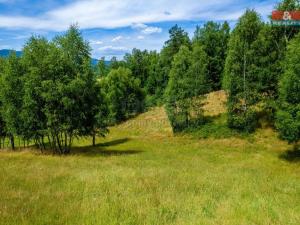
(5, 53)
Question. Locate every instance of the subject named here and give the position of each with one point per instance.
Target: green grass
(141, 174)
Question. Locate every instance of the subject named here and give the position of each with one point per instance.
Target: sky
(115, 27)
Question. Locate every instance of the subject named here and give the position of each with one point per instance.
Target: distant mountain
(95, 61)
(5, 53)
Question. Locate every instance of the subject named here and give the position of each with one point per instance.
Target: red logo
(286, 15)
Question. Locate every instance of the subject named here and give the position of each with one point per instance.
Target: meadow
(142, 174)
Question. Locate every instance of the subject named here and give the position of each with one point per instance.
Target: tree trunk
(59, 145)
(12, 142)
(94, 139)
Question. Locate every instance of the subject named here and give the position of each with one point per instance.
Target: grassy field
(142, 174)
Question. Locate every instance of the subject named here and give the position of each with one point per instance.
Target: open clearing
(142, 174)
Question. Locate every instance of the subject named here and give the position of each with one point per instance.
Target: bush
(244, 121)
(124, 95)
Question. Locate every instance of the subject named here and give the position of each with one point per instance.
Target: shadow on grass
(94, 152)
(99, 149)
(291, 156)
(113, 142)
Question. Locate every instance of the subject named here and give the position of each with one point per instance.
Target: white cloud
(146, 29)
(114, 48)
(96, 42)
(123, 13)
(152, 30)
(140, 37)
(116, 39)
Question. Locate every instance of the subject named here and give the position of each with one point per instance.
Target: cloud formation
(116, 39)
(124, 13)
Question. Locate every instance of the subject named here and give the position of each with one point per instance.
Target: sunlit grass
(142, 174)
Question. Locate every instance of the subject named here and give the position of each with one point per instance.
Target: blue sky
(114, 27)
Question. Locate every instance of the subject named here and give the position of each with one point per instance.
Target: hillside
(142, 174)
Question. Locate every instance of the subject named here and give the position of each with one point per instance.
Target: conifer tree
(177, 38)
(187, 83)
(214, 39)
(288, 115)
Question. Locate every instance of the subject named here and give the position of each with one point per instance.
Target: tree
(124, 95)
(71, 108)
(11, 96)
(187, 84)
(288, 5)
(74, 49)
(151, 84)
(41, 61)
(62, 99)
(115, 64)
(178, 37)
(137, 62)
(93, 107)
(240, 78)
(101, 68)
(288, 115)
(2, 123)
(214, 39)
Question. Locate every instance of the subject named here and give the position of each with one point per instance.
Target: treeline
(52, 94)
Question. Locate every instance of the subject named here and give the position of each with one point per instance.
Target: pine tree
(288, 115)
(177, 38)
(187, 83)
(214, 39)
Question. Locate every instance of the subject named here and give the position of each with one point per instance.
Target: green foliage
(214, 38)
(187, 81)
(151, 82)
(115, 64)
(288, 115)
(178, 37)
(124, 94)
(101, 68)
(2, 123)
(138, 63)
(241, 78)
(11, 94)
(215, 127)
(288, 5)
(52, 93)
(74, 49)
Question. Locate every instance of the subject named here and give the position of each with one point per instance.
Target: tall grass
(142, 174)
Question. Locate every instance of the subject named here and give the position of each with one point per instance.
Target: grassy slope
(141, 174)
